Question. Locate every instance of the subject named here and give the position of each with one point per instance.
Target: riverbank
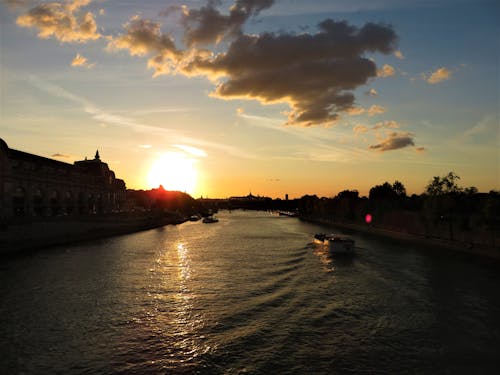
(438, 243)
(32, 236)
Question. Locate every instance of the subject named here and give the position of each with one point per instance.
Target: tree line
(444, 210)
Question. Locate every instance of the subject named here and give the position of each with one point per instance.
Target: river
(249, 294)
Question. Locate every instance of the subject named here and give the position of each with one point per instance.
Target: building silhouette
(33, 186)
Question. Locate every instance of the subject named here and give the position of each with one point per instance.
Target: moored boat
(210, 219)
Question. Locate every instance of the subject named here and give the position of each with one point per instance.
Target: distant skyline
(261, 96)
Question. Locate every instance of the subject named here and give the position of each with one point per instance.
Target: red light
(368, 218)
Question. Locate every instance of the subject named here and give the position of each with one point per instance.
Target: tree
(307, 205)
(345, 203)
(471, 190)
(442, 201)
(348, 194)
(388, 191)
(399, 188)
(443, 185)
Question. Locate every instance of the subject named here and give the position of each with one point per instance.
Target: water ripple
(250, 294)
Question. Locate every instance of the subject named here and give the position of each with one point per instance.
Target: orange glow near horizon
(175, 171)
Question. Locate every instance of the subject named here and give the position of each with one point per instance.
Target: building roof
(21, 155)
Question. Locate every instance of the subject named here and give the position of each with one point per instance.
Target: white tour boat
(210, 220)
(337, 243)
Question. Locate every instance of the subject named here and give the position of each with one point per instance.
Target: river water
(250, 294)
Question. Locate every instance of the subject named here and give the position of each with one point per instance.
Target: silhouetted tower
(97, 157)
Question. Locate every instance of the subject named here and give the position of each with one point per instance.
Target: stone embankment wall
(42, 234)
(407, 227)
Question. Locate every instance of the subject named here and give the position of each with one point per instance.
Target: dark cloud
(386, 124)
(60, 156)
(18, 3)
(207, 25)
(395, 141)
(61, 20)
(143, 37)
(314, 73)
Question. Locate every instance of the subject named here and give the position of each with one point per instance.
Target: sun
(175, 171)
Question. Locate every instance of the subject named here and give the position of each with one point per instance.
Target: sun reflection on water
(184, 295)
(184, 263)
(187, 321)
(172, 310)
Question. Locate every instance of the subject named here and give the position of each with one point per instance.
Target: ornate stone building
(35, 186)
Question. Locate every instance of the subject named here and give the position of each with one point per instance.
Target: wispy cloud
(485, 128)
(228, 150)
(326, 146)
(391, 124)
(90, 108)
(101, 115)
(479, 128)
(149, 111)
(263, 122)
(194, 151)
(386, 125)
(330, 153)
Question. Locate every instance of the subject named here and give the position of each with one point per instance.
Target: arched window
(55, 207)
(91, 203)
(69, 202)
(99, 204)
(19, 202)
(81, 203)
(38, 207)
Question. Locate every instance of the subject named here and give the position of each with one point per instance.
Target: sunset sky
(270, 97)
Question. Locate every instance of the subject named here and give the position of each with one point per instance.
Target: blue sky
(423, 98)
